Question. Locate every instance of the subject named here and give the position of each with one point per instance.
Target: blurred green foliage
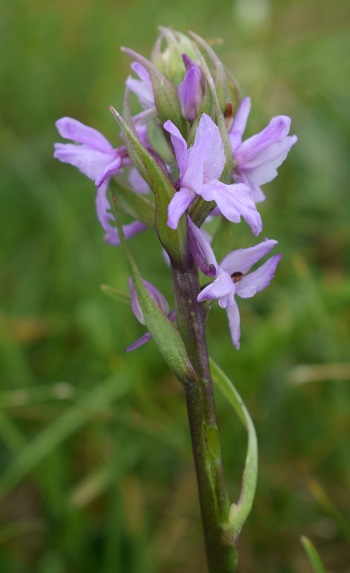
(97, 468)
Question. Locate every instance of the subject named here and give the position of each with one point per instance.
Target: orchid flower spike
(256, 159)
(200, 169)
(94, 156)
(232, 276)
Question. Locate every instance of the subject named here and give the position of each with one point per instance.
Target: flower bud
(168, 59)
(191, 89)
(157, 296)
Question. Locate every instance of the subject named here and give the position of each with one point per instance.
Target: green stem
(213, 496)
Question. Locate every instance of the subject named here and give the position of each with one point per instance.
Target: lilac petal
(178, 205)
(234, 324)
(111, 169)
(277, 130)
(234, 201)
(263, 168)
(223, 289)
(259, 279)
(241, 117)
(241, 176)
(105, 217)
(242, 260)
(130, 229)
(236, 139)
(201, 250)
(137, 182)
(89, 161)
(143, 87)
(180, 146)
(191, 90)
(206, 157)
(73, 129)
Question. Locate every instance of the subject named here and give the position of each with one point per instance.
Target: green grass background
(95, 451)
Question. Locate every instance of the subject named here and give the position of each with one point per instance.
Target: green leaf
(165, 94)
(312, 555)
(133, 203)
(165, 335)
(239, 511)
(174, 242)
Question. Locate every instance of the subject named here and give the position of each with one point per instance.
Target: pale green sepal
(174, 242)
(312, 554)
(239, 511)
(133, 203)
(165, 94)
(218, 114)
(165, 335)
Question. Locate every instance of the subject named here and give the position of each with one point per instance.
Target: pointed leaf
(240, 510)
(174, 242)
(164, 333)
(312, 555)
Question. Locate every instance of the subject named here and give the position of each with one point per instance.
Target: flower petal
(143, 87)
(73, 129)
(222, 289)
(234, 201)
(241, 117)
(206, 157)
(259, 279)
(137, 182)
(111, 169)
(178, 205)
(201, 250)
(263, 168)
(180, 146)
(234, 324)
(277, 130)
(105, 217)
(88, 160)
(242, 260)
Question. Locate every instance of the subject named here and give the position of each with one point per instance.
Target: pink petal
(180, 146)
(178, 205)
(234, 324)
(242, 260)
(89, 161)
(259, 279)
(73, 129)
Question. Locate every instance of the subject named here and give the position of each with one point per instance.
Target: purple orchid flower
(191, 89)
(94, 156)
(257, 158)
(232, 277)
(160, 301)
(143, 87)
(200, 168)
